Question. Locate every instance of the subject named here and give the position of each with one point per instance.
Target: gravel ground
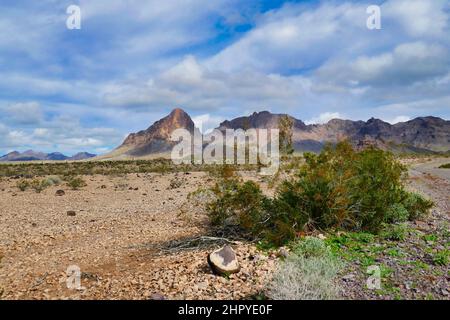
(114, 236)
(412, 271)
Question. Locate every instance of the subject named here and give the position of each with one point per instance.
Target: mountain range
(31, 155)
(420, 135)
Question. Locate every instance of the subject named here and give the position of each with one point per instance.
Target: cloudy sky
(133, 61)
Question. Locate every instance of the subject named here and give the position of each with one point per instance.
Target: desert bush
(339, 189)
(311, 247)
(445, 166)
(398, 213)
(39, 185)
(395, 232)
(306, 274)
(416, 205)
(23, 185)
(53, 180)
(76, 183)
(225, 171)
(238, 204)
(342, 188)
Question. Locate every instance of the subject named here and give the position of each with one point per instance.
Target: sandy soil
(115, 237)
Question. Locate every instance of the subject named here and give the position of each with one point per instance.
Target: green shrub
(442, 257)
(76, 183)
(339, 189)
(416, 205)
(240, 205)
(395, 232)
(23, 185)
(398, 213)
(54, 180)
(311, 247)
(39, 185)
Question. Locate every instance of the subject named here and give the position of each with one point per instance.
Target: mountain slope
(156, 139)
(82, 156)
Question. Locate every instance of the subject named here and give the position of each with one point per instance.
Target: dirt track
(428, 178)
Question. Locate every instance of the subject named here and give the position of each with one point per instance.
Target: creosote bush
(23, 185)
(339, 189)
(76, 183)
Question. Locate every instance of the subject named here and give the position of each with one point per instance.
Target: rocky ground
(410, 268)
(118, 231)
(137, 236)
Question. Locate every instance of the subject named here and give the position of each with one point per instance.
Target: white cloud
(324, 118)
(418, 17)
(398, 119)
(194, 86)
(206, 122)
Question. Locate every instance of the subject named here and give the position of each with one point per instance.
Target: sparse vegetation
(38, 185)
(23, 185)
(76, 183)
(445, 166)
(112, 168)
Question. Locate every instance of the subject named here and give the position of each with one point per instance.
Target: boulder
(224, 261)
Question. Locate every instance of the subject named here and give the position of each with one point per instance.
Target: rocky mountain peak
(157, 137)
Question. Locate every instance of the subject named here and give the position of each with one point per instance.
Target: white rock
(224, 261)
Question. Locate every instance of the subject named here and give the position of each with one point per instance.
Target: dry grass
(307, 274)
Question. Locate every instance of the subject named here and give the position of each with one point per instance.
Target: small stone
(71, 213)
(283, 253)
(224, 261)
(60, 193)
(157, 296)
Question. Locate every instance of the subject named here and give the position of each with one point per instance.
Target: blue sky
(133, 61)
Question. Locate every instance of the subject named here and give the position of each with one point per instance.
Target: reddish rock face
(157, 137)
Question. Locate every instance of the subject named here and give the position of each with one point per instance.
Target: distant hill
(425, 134)
(31, 155)
(421, 135)
(82, 156)
(156, 139)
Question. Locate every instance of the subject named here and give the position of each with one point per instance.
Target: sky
(133, 61)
